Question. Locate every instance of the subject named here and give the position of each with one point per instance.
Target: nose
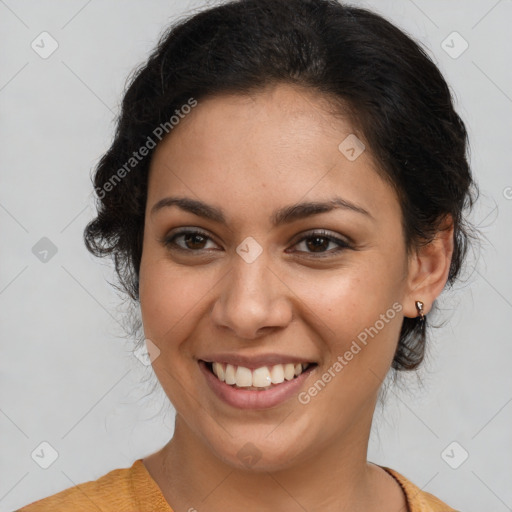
(253, 300)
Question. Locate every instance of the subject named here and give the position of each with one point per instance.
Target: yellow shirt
(134, 490)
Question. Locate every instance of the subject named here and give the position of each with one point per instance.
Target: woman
(285, 199)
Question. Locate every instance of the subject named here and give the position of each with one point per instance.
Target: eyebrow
(281, 216)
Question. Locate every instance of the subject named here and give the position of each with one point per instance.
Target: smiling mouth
(259, 379)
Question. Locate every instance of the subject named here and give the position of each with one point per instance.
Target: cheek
(357, 314)
(170, 297)
(348, 300)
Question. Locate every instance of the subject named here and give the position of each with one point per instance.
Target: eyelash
(170, 243)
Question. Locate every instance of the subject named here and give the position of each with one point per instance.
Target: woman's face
(271, 279)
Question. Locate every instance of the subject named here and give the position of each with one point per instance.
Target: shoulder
(418, 500)
(121, 490)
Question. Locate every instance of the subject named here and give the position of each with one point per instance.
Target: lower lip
(250, 399)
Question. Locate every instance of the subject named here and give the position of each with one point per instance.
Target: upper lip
(253, 362)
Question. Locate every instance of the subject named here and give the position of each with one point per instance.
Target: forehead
(278, 145)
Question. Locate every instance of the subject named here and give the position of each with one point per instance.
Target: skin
(250, 155)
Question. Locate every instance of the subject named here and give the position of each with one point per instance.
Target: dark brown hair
(392, 90)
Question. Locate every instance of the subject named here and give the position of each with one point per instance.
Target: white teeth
(262, 377)
(243, 377)
(230, 374)
(289, 371)
(218, 369)
(277, 374)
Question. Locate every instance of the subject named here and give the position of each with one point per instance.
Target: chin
(261, 455)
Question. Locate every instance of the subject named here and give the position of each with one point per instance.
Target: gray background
(67, 376)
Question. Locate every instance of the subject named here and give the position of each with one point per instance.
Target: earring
(419, 307)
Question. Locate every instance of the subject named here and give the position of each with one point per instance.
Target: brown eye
(191, 241)
(194, 241)
(319, 243)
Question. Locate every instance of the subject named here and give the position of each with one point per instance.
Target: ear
(428, 269)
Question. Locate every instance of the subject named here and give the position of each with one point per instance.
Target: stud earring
(419, 307)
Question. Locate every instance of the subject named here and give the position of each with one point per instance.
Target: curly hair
(392, 91)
